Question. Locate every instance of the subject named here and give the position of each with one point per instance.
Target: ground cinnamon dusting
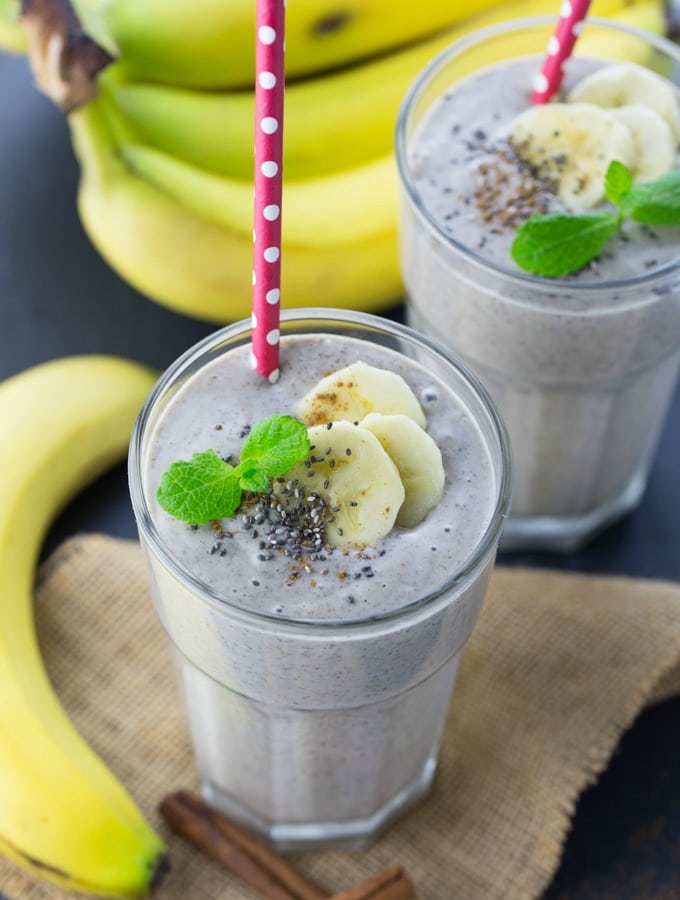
(509, 190)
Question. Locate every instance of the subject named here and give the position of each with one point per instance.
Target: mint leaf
(654, 202)
(206, 487)
(201, 489)
(618, 181)
(254, 480)
(554, 245)
(274, 445)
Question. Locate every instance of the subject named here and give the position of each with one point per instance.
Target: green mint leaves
(203, 488)
(554, 245)
(206, 487)
(656, 202)
(618, 181)
(559, 244)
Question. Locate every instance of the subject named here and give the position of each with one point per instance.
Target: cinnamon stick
(261, 868)
(229, 845)
(390, 884)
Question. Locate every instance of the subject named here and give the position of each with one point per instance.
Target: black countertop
(57, 297)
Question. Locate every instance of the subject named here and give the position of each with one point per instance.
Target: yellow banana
(12, 35)
(210, 43)
(335, 209)
(648, 15)
(64, 816)
(204, 270)
(334, 121)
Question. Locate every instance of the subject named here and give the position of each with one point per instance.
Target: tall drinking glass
(317, 699)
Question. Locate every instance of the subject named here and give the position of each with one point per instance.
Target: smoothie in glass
(582, 367)
(317, 675)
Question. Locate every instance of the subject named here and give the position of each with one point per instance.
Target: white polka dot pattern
(269, 84)
(560, 45)
(267, 80)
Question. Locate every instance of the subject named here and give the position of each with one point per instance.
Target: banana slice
(353, 392)
(357, 478)
(571, 145)
(654, 142)
(627, 83)
(418, 460)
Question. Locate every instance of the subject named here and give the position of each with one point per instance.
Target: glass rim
(414, 93)
(225, 605)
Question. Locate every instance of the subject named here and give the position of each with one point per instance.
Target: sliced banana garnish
(624, 84)
(418, 460)
(571, 145)
(351, 393)
(350, 469)
(654, 142)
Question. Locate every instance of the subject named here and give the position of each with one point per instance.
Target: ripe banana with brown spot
(64, 816)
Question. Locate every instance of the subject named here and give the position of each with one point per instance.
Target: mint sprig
(554, 245)
(559, 244)
(206, 487)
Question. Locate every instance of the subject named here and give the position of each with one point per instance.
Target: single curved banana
(333, 209)
(64, 816)
(200, 269)
(211, 43)
(358, 479)
(353, 392)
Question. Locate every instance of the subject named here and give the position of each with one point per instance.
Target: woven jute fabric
(557, 668)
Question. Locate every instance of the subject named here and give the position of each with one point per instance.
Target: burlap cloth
(558, 666)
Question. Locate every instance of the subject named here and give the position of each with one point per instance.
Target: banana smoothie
(581, 366)
(318, 630)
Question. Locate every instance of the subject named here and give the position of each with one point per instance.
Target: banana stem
(64, 59)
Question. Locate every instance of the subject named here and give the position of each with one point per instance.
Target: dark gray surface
(57, 297)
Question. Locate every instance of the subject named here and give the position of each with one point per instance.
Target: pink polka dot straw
(560, 45)
(269, 86)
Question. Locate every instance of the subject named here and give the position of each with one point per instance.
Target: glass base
(296, 836)
(564, 534)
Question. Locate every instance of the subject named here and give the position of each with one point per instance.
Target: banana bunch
(165, 140)
(64, 816)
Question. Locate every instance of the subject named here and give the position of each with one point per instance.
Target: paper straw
(560, 45)
(269, 86)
